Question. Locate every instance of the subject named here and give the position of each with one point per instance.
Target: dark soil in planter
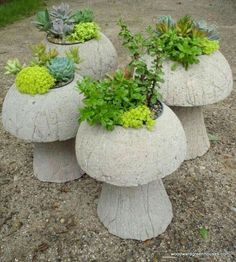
(61, 84)
(58, 41)
(157, 109)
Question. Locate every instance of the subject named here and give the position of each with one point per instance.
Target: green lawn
(14, 10)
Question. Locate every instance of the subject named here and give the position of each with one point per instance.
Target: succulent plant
(166, 19)
(73, 54)
(43, 21)
(84, 31)
(61, 68)
(34, 80)
(62, 12)
(60, 28)
(13, 67)
(83, 16)
(41, 55)
(210, 30)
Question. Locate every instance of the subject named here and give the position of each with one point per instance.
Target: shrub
(34, 80)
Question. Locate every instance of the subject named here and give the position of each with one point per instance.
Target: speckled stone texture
(46, 120)
(42, 118)
(56, 161)
(204, 83)
(140, 213)
(132, 157)
(98, 57)
(195, 130)
(131, 163)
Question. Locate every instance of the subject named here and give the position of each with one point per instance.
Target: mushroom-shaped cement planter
(186, 91)
(131, 162)
(49, 121)
(67, 29)
(203, 78)
(42, 107)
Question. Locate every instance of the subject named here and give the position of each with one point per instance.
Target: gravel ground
(58, 222)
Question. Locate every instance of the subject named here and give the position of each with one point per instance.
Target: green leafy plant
(43, 21)
(61, 68)
(185, 40)
(73, 54)
(209, 46)
(204, 232)
(138, 117)
(83, 16)
(127, 97)
(34, 80)
(13, 66)
(41, 56)
(106, 100)
(84, 31)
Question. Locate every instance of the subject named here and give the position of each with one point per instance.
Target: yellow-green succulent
(34, 80)
(138, 117)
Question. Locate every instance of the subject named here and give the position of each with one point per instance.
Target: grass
(13, 10)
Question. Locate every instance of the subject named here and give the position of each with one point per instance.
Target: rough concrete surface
(129, 156)
(140, 212)
(54, 222)
(205, 83)
(98, 57)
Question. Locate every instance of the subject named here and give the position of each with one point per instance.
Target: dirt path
(49, 222)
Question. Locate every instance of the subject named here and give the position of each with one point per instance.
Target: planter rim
(73, 43)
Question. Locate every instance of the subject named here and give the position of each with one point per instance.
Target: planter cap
(204, 83)
(132, 157)
(50, 117)
(98, 57)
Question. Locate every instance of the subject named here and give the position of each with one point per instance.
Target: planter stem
(141, 212)
(195, 130)
(56, 161)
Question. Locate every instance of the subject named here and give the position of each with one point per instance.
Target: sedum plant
(84, 32)
(46, 70)
(138, 117)
(34, 80)
(61, 68)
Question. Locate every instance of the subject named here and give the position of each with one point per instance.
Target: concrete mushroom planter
(98, 57)
(131, 163)
(186, 91)
(50, 122)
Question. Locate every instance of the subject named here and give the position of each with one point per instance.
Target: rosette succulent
(34, 80)
(61, 68)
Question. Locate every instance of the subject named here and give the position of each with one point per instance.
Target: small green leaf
(204, 232)
(174, 66)
(213, 138)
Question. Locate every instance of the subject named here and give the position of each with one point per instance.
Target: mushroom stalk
(56, 161)
(196, 134)
(141, 212)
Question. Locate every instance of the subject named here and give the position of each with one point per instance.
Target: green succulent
(83, 16)
(43, 21)
(138, 117)
(34, 80)
(73, 54)
(209, 46)
(13, 67)
(61, 68)
(41, 55)
(209, 30)
(84, 32)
